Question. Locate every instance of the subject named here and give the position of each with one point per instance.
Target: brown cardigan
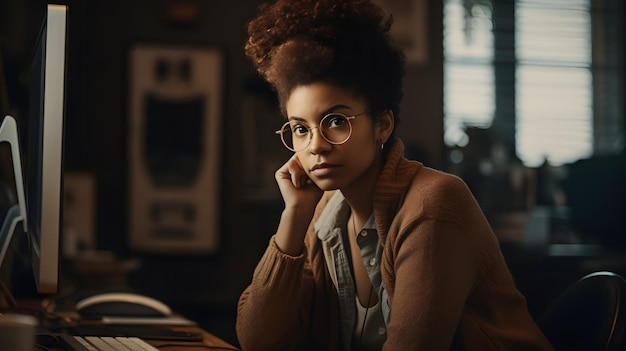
(447, 281)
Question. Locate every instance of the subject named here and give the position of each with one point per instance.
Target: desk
(162, 341)
(209, 340)
(69, 319)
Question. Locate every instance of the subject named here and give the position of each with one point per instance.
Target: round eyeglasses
(335, 128)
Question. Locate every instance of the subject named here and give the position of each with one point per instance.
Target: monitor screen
(44, 166)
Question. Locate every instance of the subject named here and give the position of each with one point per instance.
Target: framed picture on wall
(174, 138)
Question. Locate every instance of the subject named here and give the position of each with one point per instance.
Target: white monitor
(44, 150)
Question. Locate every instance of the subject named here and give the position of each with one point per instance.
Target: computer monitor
(33, 198)
(44, 161)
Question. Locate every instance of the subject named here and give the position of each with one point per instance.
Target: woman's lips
(322, 169)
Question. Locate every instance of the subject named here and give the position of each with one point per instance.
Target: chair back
(589, 315)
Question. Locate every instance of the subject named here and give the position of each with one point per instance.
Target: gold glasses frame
(287, 128)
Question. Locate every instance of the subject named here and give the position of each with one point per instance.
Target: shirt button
(363, 232)
(372, 261)
(381, 331)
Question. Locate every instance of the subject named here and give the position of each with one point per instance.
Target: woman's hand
(301, 196)
(296, 188)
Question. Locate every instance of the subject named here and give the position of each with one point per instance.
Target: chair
(589, 315)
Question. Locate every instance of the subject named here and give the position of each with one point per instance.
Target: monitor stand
(17, 212)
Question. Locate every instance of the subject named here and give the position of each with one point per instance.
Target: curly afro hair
(343, 42)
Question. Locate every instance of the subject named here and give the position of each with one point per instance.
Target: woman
(372, 251)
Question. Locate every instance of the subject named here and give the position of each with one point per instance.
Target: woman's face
(333, 166)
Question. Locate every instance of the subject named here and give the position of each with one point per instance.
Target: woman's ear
(384, 126)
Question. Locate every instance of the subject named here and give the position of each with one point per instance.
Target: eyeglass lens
(335, 128)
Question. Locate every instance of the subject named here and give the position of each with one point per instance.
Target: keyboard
(104, 343)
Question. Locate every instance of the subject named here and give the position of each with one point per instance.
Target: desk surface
(208, 340)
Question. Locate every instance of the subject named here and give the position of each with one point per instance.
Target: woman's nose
(318, 144)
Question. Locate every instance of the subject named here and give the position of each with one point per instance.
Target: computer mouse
(121, 304)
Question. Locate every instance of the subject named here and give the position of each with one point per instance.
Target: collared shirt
(361, 328)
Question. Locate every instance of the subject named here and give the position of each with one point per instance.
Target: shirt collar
(336, 211)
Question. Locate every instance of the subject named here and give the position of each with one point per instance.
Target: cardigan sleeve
(272, 312)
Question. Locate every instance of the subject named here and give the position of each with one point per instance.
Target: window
(553, 83)
(468, 71)
(524, 71)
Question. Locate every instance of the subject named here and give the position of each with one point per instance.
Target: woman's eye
(336, 121)
(299, 130)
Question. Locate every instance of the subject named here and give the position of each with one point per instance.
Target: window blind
(552, 88)
(554, 114)
(468, 71)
